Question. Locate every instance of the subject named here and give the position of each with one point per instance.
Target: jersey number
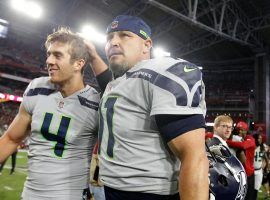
(258, 156)
(109, 104)
(60, 137)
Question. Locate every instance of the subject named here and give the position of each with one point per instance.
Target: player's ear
(79, 64)
(215, 128)
(147, 45)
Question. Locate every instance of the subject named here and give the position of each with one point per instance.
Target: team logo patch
(188, 69)
(61, 104)
(114, 24)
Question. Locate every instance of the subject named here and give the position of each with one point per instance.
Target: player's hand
(90, 47)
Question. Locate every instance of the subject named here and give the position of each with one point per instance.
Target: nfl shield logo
(61, 104)
(114, 24)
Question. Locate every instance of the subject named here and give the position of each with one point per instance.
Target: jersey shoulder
(41, 85)
(42, 82)
(89, 97)
(160, 71)
(90, 93)
(162, 64)
(175, 79)
(166, 68)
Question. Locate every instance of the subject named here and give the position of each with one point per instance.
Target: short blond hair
(78, 49)
(222, 118)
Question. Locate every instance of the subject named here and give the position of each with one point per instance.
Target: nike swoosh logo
(186, 69)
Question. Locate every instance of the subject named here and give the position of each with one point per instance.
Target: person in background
(259, 163)
(13, 158)
(266, 174)
(13, 163)
(248, 145)
(239, 153)
(223, 127)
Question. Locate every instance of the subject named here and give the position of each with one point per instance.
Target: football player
(151, 117)
(62, 113)
(260, 161)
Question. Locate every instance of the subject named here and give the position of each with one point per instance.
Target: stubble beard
(119, 69)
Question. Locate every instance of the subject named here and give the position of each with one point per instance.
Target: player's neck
(70, 87)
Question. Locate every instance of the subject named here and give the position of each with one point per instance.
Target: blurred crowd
(8, 112)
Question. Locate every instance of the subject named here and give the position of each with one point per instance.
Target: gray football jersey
(133, 155)
(63, 133)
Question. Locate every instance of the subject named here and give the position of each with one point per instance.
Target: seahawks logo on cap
(114, 24)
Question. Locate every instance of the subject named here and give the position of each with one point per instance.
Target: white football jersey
(133, 155)
(258, 158)
(63, 133)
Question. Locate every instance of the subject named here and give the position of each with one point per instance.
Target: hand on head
(90, 47)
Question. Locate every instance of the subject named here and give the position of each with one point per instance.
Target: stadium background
(229, 39)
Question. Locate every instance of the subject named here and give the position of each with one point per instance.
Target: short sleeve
(178, 89)
(27, 100)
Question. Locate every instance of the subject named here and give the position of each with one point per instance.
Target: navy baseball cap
(130, 23)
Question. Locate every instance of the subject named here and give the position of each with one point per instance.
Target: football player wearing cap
(249, 146)
(151, 118)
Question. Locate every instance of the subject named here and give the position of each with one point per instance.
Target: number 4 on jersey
(60, 137)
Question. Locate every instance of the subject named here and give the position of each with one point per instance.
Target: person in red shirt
(249, 146)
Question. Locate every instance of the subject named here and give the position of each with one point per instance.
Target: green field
(11, 185)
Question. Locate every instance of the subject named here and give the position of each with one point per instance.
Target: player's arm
(264, 161)
(185, 134)
(99, 67)
(185, 137)
(97, 64)
(240, 154)
(240, 145)
(190, 149)
(15, 134)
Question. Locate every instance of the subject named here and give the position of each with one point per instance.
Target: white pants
(258, 174)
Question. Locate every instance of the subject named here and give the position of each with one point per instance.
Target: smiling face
(60, 67)
(124, 49)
